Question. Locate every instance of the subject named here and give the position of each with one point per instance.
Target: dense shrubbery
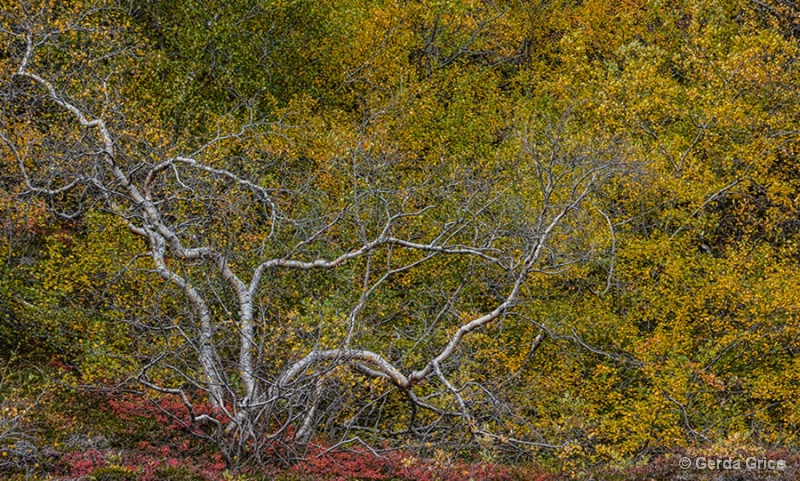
(660, 318)
(134, 438)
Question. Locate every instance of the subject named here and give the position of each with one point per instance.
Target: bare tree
(191, 210)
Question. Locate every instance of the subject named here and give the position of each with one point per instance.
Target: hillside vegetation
(396, 239)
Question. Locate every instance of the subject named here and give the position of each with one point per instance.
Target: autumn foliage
(400, 162)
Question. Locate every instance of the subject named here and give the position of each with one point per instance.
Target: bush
(114, 473)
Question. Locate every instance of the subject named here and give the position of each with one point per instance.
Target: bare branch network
(496, 236)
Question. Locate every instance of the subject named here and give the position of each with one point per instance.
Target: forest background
(549, 236)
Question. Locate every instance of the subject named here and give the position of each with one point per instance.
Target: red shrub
(81, 464)
(362, 464)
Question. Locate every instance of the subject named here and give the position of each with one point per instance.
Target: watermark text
(732, 464)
